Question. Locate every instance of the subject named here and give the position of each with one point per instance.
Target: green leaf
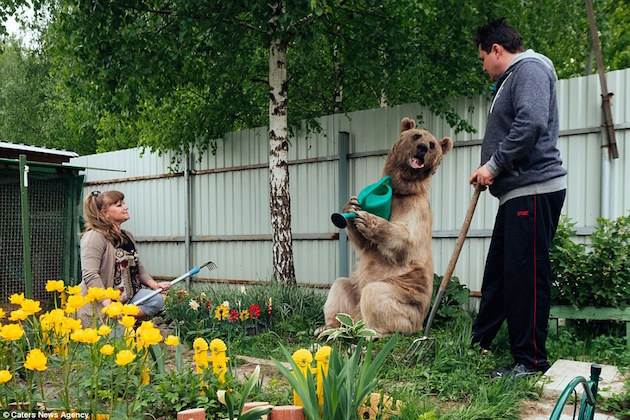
(345, 320)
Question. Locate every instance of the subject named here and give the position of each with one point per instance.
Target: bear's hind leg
(343, 297)
(385, 310)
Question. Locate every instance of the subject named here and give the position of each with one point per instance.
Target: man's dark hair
(498, 32)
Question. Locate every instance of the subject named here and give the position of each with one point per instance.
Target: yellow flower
(111, 293)
(87, 336)
(104, 330)
(219, 370)
(244, 314)
(124, 357)
(217, 346)
(18, 315)
(222, 312)
(130, 336)
(11, 332)
(200, 345)
(2, 314)
(144, 376)
(55, 286)
(16, 299)
(95, 293)
(113, 310)
(36, 360)
(75, 301)
(74, 290)
(147, 335)
(90, 336)
(322, 356)
(107, 349)
(30, 306)
(171, 340)
(52, 320)
(5, 376)
(71, 324)
(128, 321)
(130, 309)
(201, 360)
(302, 358)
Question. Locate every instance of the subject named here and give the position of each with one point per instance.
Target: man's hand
(481, 177)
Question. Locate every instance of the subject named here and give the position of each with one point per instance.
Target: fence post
(187, 216)
(26, 230)
(343, 140)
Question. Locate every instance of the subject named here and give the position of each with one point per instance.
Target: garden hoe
(211, 266)
(424, 343)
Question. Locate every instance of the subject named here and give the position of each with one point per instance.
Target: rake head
(211, 266)
(418, 349)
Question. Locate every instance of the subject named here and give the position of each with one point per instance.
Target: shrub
(597, 274)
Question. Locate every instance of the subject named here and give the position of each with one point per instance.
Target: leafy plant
(349, 380)
(181, 389)
(455, 298)
(597, 274)
(349, 332)
(252, 414)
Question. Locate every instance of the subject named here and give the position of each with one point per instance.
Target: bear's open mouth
(416, 162)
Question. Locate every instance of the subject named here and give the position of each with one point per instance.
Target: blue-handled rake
(211, 266)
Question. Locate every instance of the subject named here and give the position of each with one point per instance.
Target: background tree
(209, 69)
(177, 75)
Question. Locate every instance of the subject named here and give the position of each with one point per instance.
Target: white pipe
(604, 205)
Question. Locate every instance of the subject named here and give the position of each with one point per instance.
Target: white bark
(280, 200)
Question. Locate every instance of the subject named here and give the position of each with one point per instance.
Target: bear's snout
(421, 150)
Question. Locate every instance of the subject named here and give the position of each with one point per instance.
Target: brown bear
(391, 285)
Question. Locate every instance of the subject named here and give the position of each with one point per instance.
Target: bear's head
(416, 154)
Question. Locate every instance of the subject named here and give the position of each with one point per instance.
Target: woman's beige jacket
(98, 261)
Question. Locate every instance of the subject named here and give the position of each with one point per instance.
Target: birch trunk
(280, 200)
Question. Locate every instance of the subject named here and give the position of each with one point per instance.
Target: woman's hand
(164, 285)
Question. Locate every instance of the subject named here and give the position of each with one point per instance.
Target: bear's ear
(407, 124)
(447, 145)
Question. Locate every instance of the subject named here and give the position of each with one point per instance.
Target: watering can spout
(375, 198)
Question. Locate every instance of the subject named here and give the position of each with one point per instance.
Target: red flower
(208, 305)
(254, 310)
(233, 315)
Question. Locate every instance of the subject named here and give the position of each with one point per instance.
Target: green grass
(450, 380)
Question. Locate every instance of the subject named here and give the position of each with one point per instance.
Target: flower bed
(50, 362)
(195, 313)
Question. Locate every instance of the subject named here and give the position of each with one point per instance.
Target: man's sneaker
(515, 370)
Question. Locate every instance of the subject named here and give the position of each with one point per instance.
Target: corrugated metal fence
(216, 207)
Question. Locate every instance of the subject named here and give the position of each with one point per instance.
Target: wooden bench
(590, 313)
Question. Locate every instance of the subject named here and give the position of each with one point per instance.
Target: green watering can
(375, 198)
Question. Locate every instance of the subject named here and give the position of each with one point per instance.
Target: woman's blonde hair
(94, 219)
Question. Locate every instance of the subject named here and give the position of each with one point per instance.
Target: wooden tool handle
(460, 240)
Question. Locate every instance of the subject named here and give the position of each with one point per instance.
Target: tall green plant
(348, 382)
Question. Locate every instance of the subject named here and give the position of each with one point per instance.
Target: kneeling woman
(109, 257)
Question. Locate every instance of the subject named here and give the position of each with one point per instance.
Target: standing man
(521, 165)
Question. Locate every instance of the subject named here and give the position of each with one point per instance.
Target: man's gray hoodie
(520, 144)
